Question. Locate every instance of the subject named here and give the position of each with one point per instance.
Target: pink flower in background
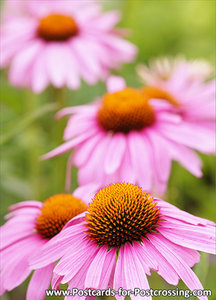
(60, 42)
(147, 233)
(162, 69)
(183, 84)
(123, 137)
(30, 225)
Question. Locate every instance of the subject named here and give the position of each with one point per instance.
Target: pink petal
(126, 170)
(165, 268)
(135, 276)
(84, 151)
(162, 105)
(189, 135)
(88, 109)
(108, 268)
(119, 276)
(86, 192)
(120, 49)
(145, 258)
(115, 84)
(22, 204)
(39, 282)
(183, 270)
(56, 280)
(56, 65)
(25, 212)
(190, 236)
(68, 145)
(93, 170)
(105, 22)
(16, 269)
(190, 256)
(72, 74)
(39, 77)
(173, 212)
(93, 276)
(85, 122)
(56, 247)
(89, 67)
(78, 219)
(22, 63)
(162, 160)
(187, 157)
(115, 153)
(16, 232)
(141, 158)
(73, 261)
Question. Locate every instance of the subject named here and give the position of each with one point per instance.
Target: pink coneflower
(124, 234)
(32, 224)
(59, 41)
(162, 69)
(124, 137)
(192, 97)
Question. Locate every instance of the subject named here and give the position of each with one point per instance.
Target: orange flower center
(152, 92)
(121, 213)
(57, 28)
(124, 111)
(56, 212)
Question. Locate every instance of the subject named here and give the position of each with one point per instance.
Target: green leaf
(25, 121)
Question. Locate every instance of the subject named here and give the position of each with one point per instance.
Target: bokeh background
(28, 127)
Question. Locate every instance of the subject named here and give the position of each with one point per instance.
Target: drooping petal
(72, 263)
(55, 248)
(23, 204)
(175, 213)
(39, 283)
(135, 276)
(22, 63)
(16, 268)
(119, 275)
(182, 269)
(165, 268)
(190, 236)
(108, 269)
(94, 274)
(68, 145)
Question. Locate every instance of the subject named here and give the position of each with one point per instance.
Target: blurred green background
(28, 127)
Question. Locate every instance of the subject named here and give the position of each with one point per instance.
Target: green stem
(33, 152)
(59, 97)
(25, 121)
(58, 176)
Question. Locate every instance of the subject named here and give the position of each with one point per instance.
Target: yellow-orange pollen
(57, 27)
(124, 111)
(121, 213)
(150, 92)
(56, 212)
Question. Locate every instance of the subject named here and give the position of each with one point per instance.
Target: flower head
(162, 69)
(30, 225)
(190, 94)
(47, 44)
(121, 213)
(124, 234)
(126, 136)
